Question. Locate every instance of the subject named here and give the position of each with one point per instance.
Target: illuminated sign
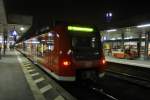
(77, 28)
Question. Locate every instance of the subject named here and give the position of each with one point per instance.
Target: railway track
(140, 81)
(88, 90)
(103, 93)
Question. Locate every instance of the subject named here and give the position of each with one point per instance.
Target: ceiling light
(142, 26)
(22, 28)
(111, 30)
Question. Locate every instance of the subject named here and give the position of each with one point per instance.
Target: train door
(50, 44)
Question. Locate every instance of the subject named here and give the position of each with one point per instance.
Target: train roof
(42, 26)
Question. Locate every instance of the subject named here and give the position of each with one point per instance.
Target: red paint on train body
(65, 49)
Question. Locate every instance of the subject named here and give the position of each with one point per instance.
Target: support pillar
(146, 45)
(3, 21)
(139, 45)
(122, 43)
(5, 36)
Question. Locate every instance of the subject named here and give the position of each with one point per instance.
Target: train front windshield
(86, 46)
(84, 43)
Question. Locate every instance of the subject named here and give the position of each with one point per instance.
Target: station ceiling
(125, 13)
(84, 11)
(10, 22)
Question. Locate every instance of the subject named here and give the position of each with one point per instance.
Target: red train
(67, 52)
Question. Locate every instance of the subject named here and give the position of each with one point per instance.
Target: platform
(136, 62)
(13, 85)
(21, 80)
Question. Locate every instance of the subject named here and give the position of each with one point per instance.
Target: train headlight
(66, 63)
(103, 61)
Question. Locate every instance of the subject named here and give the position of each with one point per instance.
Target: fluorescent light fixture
(126, 38)
(131, 37)
(112, 39)
(50, 34)
(34, 42)
(77, 28)
(119, 38)
(142, 26)
(22, 28)
(111, 30)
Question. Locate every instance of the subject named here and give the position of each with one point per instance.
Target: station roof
(90, 12)
(125, 13)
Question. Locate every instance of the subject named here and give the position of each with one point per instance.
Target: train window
(81, 42)
(46, 45)
(40, 50)
(84, 42)
(50, 41)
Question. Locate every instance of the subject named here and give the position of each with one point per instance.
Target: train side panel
(66, 72)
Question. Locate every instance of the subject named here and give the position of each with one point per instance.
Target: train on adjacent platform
(67, 51)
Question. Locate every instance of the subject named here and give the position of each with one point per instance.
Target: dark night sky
(87, 10)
